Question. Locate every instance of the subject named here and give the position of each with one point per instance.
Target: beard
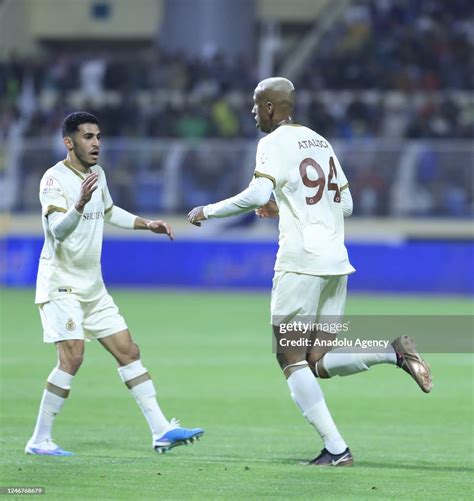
(83, 159)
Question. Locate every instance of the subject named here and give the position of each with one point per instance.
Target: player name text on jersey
(312, 143)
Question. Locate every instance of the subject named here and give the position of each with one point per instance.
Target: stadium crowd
(429, 50)
(361, 84)
(180, 98)
(408, 45)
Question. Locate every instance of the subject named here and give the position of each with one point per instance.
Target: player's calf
(342, 363)
(166, 435)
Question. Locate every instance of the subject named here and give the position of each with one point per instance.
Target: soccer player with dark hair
(73, 302)
(312, 198)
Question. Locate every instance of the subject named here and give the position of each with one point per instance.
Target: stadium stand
(359, 87)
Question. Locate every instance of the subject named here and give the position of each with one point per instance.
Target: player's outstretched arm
(121, 218)
(158, 226)
(255, 195)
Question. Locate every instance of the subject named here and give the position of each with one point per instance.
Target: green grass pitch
(210, 356)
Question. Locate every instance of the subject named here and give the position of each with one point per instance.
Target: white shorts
(69, 318)
(296, 296)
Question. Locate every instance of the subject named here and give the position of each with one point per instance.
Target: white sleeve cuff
(120, 218)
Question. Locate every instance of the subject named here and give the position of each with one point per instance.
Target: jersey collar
(70, 167)
(287, 121)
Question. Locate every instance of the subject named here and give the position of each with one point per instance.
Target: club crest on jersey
(70, 325)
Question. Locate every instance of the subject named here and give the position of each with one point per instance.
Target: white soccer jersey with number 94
(308, 181)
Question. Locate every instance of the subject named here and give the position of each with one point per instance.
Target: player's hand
(88, 187)
(270, 209)
(162, 227)
(196, 215)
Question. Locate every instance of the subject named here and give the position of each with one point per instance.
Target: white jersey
(308, 180)
(73, 265)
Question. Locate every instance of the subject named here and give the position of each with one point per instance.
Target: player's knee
(316, 364)
(72, 362)
(129, 355)
(286, 359)
(313, 358)
(134, 353)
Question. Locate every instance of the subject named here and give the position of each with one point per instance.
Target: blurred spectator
(92, 74)
(225, 120)
(192, 123)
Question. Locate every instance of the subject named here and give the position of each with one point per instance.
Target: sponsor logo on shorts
(70, 325)
(65, 289)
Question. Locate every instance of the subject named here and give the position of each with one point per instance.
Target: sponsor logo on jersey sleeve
(51, 188)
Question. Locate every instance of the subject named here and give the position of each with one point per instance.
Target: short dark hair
(71, 122)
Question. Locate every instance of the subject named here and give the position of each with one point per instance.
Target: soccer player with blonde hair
(312, 198)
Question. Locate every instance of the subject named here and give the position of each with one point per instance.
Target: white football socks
(307, 394)
(145, 396)
(50, 405)
(345, 364)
